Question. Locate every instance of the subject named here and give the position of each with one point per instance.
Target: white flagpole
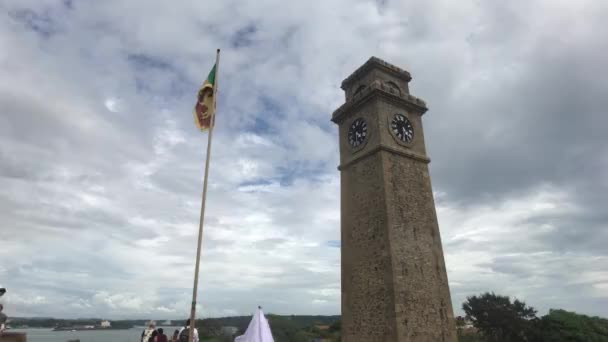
(202, 219)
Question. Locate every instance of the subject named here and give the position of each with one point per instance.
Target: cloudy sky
(101, 165)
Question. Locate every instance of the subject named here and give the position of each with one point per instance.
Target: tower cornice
(375, 62)
(403, 153)
(379, 89)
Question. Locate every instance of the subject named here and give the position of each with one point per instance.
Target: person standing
(184, 333)
(150, 333)
(3, 319)
(175, 336)
(161, 337)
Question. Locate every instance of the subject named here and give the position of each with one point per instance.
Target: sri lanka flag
(205, 105)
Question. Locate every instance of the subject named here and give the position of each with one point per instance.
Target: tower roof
(375, 62)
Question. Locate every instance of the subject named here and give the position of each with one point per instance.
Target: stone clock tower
(394, 281)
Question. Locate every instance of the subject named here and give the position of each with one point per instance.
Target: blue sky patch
(41, 23)
(140, 60)
(333, 243)
(243, 37)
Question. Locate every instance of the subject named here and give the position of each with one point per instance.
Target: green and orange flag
(205, 104)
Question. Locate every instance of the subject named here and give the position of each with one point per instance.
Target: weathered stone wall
(422, 299)
(394, 282)
(367, 296)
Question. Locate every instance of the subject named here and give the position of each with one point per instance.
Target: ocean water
(47, 335)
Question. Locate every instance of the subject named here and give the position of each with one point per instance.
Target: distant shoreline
(85, 329)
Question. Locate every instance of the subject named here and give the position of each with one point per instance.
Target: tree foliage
(460, 323)
(283, 329)
(561, 325)
(335, 326)
(208, 328)
(499, 319)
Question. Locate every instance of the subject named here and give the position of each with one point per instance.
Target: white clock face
(402, 128)
(357, 132)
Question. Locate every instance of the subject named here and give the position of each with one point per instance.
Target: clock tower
(394, 281)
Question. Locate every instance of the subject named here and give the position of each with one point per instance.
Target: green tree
(335, 326)
(460, 322)
(561, 325)
(208, 328)
(499, 319)
(226, 338)
(301, 336)
(283, 329)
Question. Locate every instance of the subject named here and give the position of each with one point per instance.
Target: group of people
(152, 334)
(3, 319)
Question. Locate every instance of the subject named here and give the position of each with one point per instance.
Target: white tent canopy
(258, 329)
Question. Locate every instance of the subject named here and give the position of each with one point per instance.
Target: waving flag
(205, 104)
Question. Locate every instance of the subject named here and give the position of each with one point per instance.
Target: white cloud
(101, 165)
(113, 104)
(502, 247)
(128, 302)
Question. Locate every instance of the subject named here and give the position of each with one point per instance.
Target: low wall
(13, 337)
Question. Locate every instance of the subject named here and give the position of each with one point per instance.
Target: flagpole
(202, 218)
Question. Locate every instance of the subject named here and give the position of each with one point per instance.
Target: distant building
(167, 323)
(105, 324)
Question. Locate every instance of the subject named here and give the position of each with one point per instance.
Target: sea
(129, 335)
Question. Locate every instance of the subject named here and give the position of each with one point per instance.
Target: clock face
(357, 132)
(402, 128)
